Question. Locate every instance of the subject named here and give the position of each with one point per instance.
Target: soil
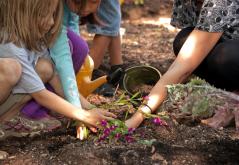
(146, 41)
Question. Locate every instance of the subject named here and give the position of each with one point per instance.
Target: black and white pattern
(214, 16)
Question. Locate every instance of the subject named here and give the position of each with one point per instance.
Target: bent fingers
(108, 114)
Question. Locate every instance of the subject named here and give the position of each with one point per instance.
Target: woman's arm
(194, 50)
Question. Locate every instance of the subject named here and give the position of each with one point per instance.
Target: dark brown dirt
(143, 43)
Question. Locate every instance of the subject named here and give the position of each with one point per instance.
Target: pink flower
(118, 135)
(157, 121)
(113, 127)
(146, 98)
(107, 132)
(131, 130)
(104, 123)
(129, 139)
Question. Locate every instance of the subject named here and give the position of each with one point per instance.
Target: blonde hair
(20, 22)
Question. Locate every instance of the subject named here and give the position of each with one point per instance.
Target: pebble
(3, 155)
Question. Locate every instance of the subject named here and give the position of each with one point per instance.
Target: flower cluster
(115, 130)
(159, 122)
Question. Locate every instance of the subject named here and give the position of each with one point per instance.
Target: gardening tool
(138, 76)
(85, 85)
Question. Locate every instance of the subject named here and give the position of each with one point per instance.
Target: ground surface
(145, 42)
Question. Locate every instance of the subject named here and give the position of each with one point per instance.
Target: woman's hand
(135, 120)
(222, 118)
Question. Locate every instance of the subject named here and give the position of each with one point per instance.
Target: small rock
(153, 149)
(135, 13)
(221, 128)
(11, 157)
(43, 155)
(157, 156)
(3, 155)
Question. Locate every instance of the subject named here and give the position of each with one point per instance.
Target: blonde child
(68, 53)
(28, 28)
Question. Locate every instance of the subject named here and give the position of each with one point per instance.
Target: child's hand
(96, 115)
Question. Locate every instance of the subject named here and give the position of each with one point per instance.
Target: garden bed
(177, 143)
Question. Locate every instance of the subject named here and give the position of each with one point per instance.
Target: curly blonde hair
(20, 22)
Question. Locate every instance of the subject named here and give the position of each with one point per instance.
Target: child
(107, 37)
(27, 28)
(69, 52)
(68, 63)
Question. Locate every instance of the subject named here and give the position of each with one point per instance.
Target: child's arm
(61, 55)
(57, 104)
(74, 23)
(55, 83)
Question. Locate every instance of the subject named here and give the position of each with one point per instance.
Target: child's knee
(11, 70)
(45, 69)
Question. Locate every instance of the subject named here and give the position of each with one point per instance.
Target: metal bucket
(140, 75)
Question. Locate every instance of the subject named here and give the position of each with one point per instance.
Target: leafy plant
(114, 130)
(124, 102)
(147, 142)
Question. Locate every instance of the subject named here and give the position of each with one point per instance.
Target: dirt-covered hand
(222, 118)
(96, 115)
(236, 115)
(93, 117)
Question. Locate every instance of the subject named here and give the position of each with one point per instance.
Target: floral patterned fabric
(213, 16)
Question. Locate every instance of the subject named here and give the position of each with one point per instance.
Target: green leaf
(135, 95)
(147, 142)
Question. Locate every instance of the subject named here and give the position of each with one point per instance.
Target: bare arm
(85, 103)
(58, 104)
(194, 50)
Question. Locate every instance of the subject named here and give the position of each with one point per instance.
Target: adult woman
(207, 44)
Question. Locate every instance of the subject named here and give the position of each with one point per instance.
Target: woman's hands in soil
(222, 118)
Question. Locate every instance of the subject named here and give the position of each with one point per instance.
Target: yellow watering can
(85, 85)
(83, 78)
(136, 2)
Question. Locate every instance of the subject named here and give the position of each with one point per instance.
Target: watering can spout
(83, 77)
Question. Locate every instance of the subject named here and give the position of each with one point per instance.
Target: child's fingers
(236, 114)
(93, 129)
(109, 118)
(109, 114)
(79, 132)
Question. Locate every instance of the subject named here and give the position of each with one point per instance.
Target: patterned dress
(213, 16)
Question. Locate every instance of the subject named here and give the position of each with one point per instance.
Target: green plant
(114, 130)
